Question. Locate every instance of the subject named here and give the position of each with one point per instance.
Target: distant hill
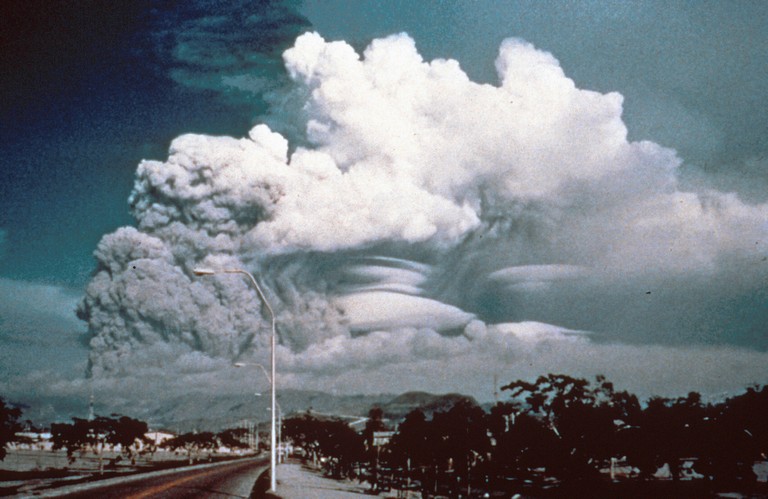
(429, 403)
(227, 411)
(218, 411)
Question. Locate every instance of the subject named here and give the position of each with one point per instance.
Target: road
(228, 480)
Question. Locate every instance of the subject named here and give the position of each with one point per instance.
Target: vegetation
(194, 444)
(329, 440)
(81, 435)
(234, 438)
(98, 443)
(557, 431)
(9, 425)
(128, 435)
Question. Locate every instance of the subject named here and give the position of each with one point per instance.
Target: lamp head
(201, 271)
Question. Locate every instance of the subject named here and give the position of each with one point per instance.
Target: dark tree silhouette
(665, 433)
(84, 434)
(9, 425)
(374, 423)
(126, 432)
(584, 418)
(234, 438)
(566, 432)
(343, 445)
(193, 443)
(411, 442)
(333, 439)
(524, 443)
(733, 437)
(459, 441)
(72, 437)
(304, 431)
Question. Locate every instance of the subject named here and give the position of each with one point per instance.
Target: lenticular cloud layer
(420, 194)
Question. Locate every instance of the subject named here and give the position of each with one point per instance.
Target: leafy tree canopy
(9, 425)
(83, 433)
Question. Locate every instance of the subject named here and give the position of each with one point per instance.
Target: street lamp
(281, 450)
(273, 434)
(249, 364)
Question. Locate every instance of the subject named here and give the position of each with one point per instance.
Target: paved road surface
(228, 480)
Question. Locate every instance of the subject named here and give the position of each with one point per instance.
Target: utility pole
(91, 414)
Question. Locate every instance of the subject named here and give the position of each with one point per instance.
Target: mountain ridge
(219, 411)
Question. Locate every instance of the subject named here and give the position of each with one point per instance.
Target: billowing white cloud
(529, 333)
(536, 277)
(387, 310)
(420, 201)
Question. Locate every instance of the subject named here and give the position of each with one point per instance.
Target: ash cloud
(424, 218)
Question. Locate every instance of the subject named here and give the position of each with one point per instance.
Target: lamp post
(280, 456)
(273, 434)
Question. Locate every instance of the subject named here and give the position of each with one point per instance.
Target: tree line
(553, 431)
(122, 434)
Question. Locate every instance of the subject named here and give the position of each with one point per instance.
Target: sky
(432, 195)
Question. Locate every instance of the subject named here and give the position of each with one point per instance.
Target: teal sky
(87, 91)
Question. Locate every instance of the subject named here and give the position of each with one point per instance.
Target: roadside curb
(84, 487)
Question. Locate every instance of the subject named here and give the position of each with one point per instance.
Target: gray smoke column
(420, 194)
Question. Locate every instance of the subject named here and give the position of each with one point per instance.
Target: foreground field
(27, 471)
